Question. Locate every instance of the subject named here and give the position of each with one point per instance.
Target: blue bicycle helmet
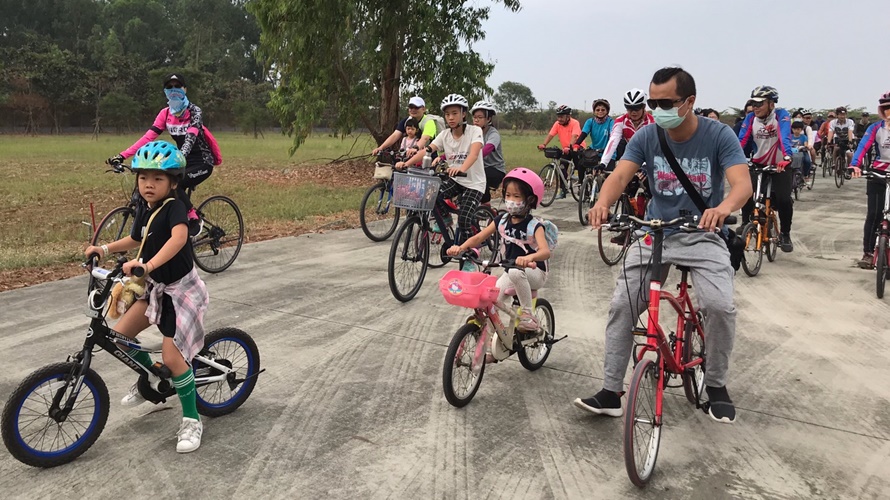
(159, 155)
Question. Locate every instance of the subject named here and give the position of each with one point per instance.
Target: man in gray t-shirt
(708, 152)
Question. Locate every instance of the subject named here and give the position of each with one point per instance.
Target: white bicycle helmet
(634, 97)
(765, 92)
(455, 100)
(484, 105)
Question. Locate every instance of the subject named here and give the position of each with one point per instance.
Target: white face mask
(514, 207)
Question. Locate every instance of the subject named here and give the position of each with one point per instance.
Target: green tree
(119, 110)
(515, 100)
(347, 55)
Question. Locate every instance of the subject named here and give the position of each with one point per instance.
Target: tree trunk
(389, 92)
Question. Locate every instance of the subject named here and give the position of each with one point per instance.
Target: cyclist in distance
(568, 130)
(840, 134)
(426, 126)
(492, 155)
(184, 121)
(626, 125)
(598, 128)
(710, 153)
(462, 145)
(876, 135)
(769, 128)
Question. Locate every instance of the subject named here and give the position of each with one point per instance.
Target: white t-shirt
(456, 151)
(834, 124)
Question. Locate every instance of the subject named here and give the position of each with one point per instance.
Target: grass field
(50, 181)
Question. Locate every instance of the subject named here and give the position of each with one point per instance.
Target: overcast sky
(817, 53)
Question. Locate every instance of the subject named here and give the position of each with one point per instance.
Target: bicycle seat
(510, 292)
(683, 269)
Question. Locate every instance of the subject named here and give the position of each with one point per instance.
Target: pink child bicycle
(468, 351)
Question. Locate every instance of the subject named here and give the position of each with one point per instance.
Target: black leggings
(493, 179)
(195, 173)
(875, 192)
(781, 196)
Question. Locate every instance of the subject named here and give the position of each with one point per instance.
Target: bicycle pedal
(161, 370)
(640, 331)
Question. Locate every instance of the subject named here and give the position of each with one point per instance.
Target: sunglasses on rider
(638, 107)
(176, 85)
(664, 103)
(411, 106)
(757, 104)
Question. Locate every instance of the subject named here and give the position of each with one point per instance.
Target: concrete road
(352, 407)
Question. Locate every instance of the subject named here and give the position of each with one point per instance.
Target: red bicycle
(676, 356)
(882, 244)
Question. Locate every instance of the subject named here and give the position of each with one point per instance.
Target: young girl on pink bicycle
(523, 239)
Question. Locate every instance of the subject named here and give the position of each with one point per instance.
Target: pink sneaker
(527, 322)
(193, 214)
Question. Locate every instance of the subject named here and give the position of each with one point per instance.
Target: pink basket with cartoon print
(473, 290)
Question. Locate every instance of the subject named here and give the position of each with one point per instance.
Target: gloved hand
(541, 147)
(780, 167)
(601, 167)
(115, 160)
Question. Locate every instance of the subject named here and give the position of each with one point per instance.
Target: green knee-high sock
(185, 388)
(141, 357)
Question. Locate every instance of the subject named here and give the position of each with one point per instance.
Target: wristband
(104, 250)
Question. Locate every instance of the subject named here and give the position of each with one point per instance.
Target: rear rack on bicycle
(415, 191)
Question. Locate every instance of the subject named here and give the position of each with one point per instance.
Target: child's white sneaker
(527, 322)
(189, 435)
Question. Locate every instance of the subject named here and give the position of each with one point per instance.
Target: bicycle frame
(669, 361)
(100, 335)
(762, 202)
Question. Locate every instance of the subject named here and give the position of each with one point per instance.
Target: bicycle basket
(415, 192)
(553, 153)
(382, 171)
(473, 290)
(590, 158)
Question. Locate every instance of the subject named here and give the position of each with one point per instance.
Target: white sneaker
(133, 398)
(189, 435)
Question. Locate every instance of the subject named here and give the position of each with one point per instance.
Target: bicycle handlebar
(873, 174)
(685, 222)
(471, 256)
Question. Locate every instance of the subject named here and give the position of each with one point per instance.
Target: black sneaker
(719, 406)
(195, 226)
(785, 242)
(603, 403)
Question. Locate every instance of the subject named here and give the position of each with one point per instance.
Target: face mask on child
(514, 207)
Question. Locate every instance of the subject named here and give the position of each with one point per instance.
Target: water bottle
(427, 161)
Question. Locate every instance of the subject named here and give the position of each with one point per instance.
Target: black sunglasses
(176, 85)
(638, 107)
(757, 104)
(664, 103)
(413, 107)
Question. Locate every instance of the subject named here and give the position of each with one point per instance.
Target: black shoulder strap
(681, 175)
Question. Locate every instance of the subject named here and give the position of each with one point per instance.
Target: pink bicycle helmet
(531, 179)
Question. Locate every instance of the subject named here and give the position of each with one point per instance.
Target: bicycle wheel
(613, 244)
(409, 257)
(753, 249)
(881, 265)
(533, 356)
(642, 428)
(33, 431)
(485, 215)
(439, 243)
(464, 366)
(575, 184)
(826, 164)
(378, 217)
(811, 180)
(840, 166)
(797, 184)
(771, 245)
(551, 184)
(115, 225)
(235, 349)
(222, 234)
(586, 202)
(693, 348)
